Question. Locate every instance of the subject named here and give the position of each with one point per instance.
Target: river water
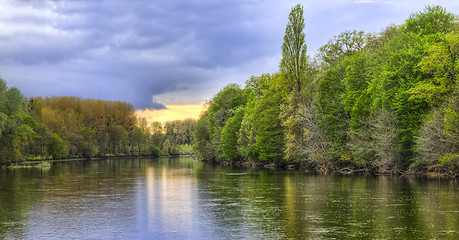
(180, 198)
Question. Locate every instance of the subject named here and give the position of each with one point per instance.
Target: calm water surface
(179, 198)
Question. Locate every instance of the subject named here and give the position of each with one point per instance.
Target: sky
(167, 57)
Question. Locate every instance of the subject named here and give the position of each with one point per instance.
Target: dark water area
(180, 198)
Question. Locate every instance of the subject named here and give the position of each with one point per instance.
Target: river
(181, 198)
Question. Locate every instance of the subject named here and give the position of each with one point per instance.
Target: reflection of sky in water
(184, 199)
(170, 202)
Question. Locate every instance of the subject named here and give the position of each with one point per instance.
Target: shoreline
(344, 170)
(329, 169)
(32, 162)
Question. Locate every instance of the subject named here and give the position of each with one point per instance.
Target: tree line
(384, 101)
(67, 127)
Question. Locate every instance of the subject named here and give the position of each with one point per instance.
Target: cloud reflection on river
(169, 201)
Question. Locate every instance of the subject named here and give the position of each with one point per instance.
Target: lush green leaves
(293, 63)
(364, 103)
(13, 130)
(434, 19)
(229, 136)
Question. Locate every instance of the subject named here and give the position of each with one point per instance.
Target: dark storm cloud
(129, 50)
(145, 51)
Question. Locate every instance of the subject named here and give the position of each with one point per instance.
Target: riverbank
(434, 171)
(39, 161)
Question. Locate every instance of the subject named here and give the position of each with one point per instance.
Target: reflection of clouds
(170, 202)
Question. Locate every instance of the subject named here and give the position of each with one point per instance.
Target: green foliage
(117, 137)
(438, 140)
(292, 114)
(363, 103)
(13, 129)
(400, 74)
(269, 137)
(355, 81)
(451, 121)
(56, 146)
(342, 46)
(434, 19)
(154, 151)
(293, 67)
(223, 106)
(293, 63)
(61, 127)
(203, 139)
(248, 131)
(376, 101)
(440, 66)
(449, 159)
(334, 117)
(86, 144)
(258, 84)
(228, 142)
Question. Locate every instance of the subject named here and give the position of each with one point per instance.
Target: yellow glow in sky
(172, 112)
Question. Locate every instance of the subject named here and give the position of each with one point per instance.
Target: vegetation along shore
(72, 127)
(383, 103)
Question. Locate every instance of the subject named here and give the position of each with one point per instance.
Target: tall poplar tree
(293, 69)
(293, 63)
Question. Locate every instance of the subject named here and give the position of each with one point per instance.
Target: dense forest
(68, 127)
(383, 102)
(380, 102)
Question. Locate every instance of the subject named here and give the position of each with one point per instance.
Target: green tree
(342, 46)
(293, 62)
(270, 135)
(229, 136)
(203, 139)
(222, 107)
(136, 139)
(293, 68)
(87, 143)
(293, 117)
(440, 66)
(12, 127)
(56, 146)
(434, 19)
(157, 136)
(117, 138)
(334, 118)
(438, 140)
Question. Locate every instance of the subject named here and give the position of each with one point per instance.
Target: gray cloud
(139, 51)
(127, 50)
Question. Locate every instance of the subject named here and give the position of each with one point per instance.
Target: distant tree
(56, 146)
(117, 137)
(136, 138)
(87, 144)
(157, 136)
